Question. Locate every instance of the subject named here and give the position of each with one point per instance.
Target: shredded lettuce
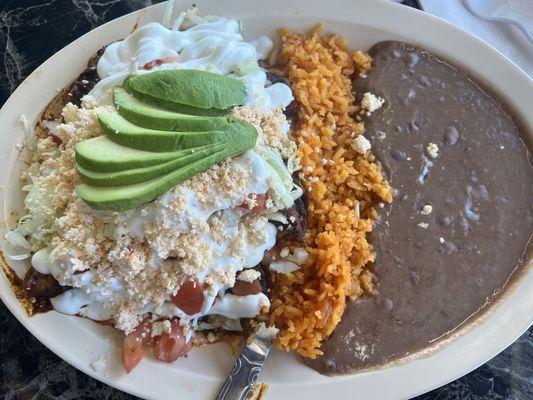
(34, 228)
(108, 230)
(247, 67)
(293, 163)
(167, 17)
(194, 17)
(29, 134)
(177, 23)
(274, 216)
(37, 223)
(284, 190)
(15, 246)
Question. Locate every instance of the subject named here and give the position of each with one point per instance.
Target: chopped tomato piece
(170, 346)
(190, 297)
(56, 139)
(243, 288)
(260, 202)
(149, 65)
(133, 346)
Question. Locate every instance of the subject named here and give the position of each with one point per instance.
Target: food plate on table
(197, 172)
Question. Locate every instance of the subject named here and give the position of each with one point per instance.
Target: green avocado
(122, 198)
(175, 107)
(120, 131)
(169, 126)
(150, 116)
(136, 175)
(190, 87)
(101, 154)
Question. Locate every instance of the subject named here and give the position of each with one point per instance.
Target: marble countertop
(30, 32)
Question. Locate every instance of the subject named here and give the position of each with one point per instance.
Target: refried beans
(462, 216)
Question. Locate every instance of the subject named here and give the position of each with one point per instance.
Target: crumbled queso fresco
(361, 144)
(249, 275)
(433, 150)
(128, 262)
(426, 210)
(371, 103)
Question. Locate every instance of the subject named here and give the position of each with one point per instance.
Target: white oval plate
(81, 342)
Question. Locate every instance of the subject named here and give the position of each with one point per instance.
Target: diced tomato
(133, 346)
(170, 346)
(243, 288)
(151, 64)
(260, 202)
(190, 297)
(169, 60)
(56, 139)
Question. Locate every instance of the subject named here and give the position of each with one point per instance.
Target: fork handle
(243, 377)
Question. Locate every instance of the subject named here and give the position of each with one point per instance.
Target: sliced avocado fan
(125, 133)
(101, 154)
(190, 87)
(122, 198)
(150, 116)
(169, 126)
(172, 106)
(136, 175)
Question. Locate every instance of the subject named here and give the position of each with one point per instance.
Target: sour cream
(214, 45)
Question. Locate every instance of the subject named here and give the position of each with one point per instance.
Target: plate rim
(15, 308)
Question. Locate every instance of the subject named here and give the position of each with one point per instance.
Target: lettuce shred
(247, 67)
(284, 191)
(37, 223)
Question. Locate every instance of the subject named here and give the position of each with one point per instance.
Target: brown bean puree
(436, 267)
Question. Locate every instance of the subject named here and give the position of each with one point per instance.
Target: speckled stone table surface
(30, 32)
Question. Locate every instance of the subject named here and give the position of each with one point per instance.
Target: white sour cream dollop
(214, 45)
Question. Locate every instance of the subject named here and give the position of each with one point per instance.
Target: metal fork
(243, 377)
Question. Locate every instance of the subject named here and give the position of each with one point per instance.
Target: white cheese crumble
(283, 267)
(423, 225)
(432, 150)
(361, 144)
(299, 256)
(370, 103)
(271, 125)
(160, 327)
(249, 275)
(426, 210)
(267, 332)
(284, 252)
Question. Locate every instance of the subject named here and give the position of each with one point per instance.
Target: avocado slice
(172, 106)
(136, 175)
(122, 198)
(101, 154)
(190, 87)
(150, 116)
(125, 133)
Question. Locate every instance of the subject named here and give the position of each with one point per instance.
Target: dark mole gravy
(432, 278)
